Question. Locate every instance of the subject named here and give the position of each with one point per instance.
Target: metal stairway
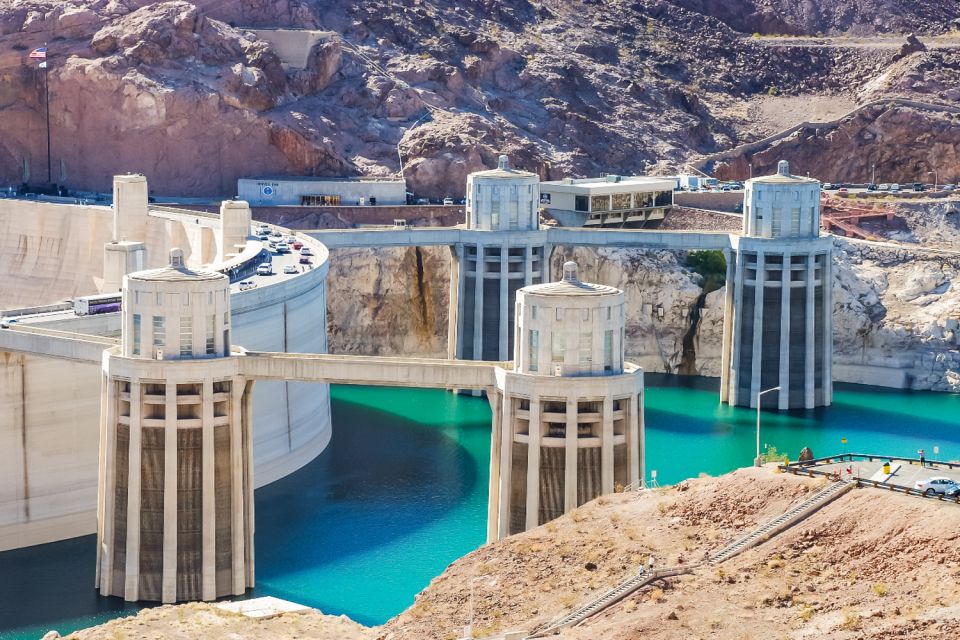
(769, 529)
(755, 537)
(611, 597)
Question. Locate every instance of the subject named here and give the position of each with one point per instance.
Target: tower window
(557, 347)
(159, 331)
(608, 350)
(534, 350)
(211, 319)
(136, 334)
(186, 336)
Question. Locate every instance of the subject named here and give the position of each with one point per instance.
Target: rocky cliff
(189, 94)
(895, 311)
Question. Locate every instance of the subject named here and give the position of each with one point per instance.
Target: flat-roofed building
(322, 192)
(608, 201)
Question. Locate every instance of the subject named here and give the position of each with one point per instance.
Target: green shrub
(711, 266)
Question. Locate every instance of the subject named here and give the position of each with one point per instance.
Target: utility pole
(46, 91)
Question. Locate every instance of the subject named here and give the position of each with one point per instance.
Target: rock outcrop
(186, 93)
(895, 311)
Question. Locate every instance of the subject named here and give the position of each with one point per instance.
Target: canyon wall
(895, 312)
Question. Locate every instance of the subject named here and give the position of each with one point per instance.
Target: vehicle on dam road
(247, 284)
(943, 486)
(290, 268)
(265, 269)
(304, 259)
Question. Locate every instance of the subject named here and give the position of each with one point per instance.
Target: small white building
(322, 192)
(607, 201)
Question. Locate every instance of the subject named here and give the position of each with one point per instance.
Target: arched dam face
(49, 409)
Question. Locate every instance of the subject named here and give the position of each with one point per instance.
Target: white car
(265, 269)
(884, 186)
(941, 485)
(895, 187)
(283, 247)
(290, 240)
(290, 268)
(247, 284)
(448, 201)
(305, 251)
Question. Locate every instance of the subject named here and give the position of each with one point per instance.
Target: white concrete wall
(50, 252)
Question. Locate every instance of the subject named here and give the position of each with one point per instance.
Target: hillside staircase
(769, 529)
(759, 535)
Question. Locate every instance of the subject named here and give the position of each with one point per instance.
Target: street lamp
(756, 461)
(751, 170)
(936, 179)
(873, 173)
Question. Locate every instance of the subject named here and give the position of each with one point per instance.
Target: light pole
(873, 173)
(756, 461)
(751, 170)
(936, 179)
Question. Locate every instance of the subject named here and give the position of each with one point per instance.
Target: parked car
(305, 251)
(895, 188)
(265, 269)
(247, 284)
(422, 201)
(304, 259)
(290, 268)
(938, 484)
(842, 190)
(884, 186)
(827, 186)
(948, 187)
(283, 247)
(871, 187)
(448, 201)
(918, 186)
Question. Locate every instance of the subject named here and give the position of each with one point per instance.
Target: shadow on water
(347, 500)
(45, 585)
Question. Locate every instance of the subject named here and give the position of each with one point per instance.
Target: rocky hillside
(189, 95)
(842, 574)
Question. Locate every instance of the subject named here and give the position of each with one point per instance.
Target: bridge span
(432, 373)
(439, 236)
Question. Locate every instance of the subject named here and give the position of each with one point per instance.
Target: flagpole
(46, 90)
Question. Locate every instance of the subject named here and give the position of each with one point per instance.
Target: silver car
(939, 485)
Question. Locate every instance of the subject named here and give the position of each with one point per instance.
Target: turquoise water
(401, 492)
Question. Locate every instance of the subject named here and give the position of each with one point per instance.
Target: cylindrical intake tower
(777, 322)
(175, 501)
(489, 269)
(568, 423)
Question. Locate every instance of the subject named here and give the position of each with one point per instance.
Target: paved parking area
(903, 473)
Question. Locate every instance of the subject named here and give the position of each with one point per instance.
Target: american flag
(39, 52)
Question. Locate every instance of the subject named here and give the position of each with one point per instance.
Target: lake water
(401, 492)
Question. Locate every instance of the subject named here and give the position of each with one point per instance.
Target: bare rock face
(564, 89)
(898, 309)
(389, 301)
(900, 141)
